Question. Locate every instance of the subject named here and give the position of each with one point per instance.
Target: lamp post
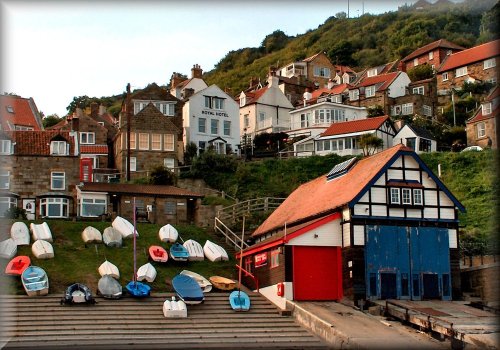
(453, 105)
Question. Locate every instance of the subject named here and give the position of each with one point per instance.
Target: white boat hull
(91, 235)
(124, 227)
(204, 284)
(42, 249)
(168, 234)
(146, 272)
(195, 250)
(174, 308)
(214, 252)
(112, 237)
(41, 231)
(20, 233)
(8, 249)
(108, 268)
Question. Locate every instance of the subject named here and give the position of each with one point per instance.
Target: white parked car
(472, 148)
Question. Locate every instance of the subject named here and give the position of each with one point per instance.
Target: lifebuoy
(281, 289)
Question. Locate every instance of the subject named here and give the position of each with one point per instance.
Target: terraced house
(155, 132)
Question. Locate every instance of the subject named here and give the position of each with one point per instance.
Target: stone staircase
(42, 323)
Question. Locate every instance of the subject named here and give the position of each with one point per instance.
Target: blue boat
(138, 289)
(178, 252)
(77, 293)
(239, 301)
(188, 289)
(135, 288)
(35, 281)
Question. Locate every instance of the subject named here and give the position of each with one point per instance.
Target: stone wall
(482, 281)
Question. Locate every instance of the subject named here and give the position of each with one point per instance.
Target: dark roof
(155, 93)
(421, 132)
(150, 190)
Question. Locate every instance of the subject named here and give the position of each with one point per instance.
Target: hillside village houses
(90, 146)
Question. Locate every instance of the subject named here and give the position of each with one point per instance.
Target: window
(424, 145)
(419, 90)
(407, 108)
(275, 258)
(248, 264)
(4, 180)
(417, 196)
(372, 72)
(6, 203)
(243, 101)
(58, 148)
(461, 71)
(57, 180)
(202, 125)
(445, 76)
(246, 120)
(133, 164)
(353, 95)
(168, 142)
(156, 142)
(169, 163)
(218, 103)
(168, 109)
(486, 108)
(431, 55)
(54, 207)
(214, 126)
(395, 196)
(92, 207)
(227, 128)
(201, 146)
(427, 110)
(87, 138)
(411, 142)
(489, 63)
(5, 147)
(9, 109)
(304, 120)
(170, 208)
(481, 130)
(370, 91)
(415, 61)
(321, 72)
(208, 102)
(132, 141)
(406, 195)
(143, 141)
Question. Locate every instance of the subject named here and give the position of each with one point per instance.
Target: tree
(420, 72)
(191, 152)
(341, 53)
(370, 143)
(50, 120)
(274, 41)
(81, 102)
(160, 175)
(375, 111)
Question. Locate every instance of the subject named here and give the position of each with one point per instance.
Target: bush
(162, 176)
(15, 213)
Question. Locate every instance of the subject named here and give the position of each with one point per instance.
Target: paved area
(345, 327)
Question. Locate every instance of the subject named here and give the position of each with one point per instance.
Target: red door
(86, 169)
(317, 273)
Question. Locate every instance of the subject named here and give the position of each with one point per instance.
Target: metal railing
(255, 279)
(236, 211)
(231, 237)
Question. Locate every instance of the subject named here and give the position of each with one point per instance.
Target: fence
(236, 211)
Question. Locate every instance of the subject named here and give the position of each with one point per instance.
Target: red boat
(157, 253)
(17, 265)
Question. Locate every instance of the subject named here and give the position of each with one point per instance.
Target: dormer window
(5, 147)
(9, 109)
(354, 95)
(486, 108)
(372, 72)
(59, 148)
(214, 102)
(419, 90)
(166, 108)
(243, 100)
(87, 138)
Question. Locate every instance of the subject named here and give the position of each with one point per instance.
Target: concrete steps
(43, 323)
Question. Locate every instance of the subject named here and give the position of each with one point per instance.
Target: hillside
(362, 42)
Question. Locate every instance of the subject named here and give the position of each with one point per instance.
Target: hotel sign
(260, 259)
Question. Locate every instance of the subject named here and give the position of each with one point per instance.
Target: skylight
(341, 169)
(9, 109)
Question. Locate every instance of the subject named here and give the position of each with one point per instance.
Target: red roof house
(18, 113)
(482, 129)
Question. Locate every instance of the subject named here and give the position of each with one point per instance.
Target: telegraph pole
(127, 114)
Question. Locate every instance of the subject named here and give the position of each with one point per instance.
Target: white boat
(8, 249)
(20, 233)
(111, 237)
(108, 268)
(205, 284)
(42, 249)
(91, 235)
(174, 308)
(195, 250)
(35, 281)
(124, 227)
(146, 272)
(214, 252)
(168, 234)
(41, 231)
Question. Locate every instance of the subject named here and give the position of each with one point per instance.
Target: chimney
(272, 79)
(175, 80)
(75, 120)
(196, 71)
(102, 110)
(307, 96)
(398, 124)
(330, 84)
(94, 109)
(253, 81)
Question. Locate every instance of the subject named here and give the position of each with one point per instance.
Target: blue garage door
(407, 263)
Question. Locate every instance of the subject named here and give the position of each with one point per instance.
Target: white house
(343, 138)
(211, 118)
(418, 139)
(183, 88)
(264, 110)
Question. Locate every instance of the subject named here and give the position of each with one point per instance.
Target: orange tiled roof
(138, 189)
(472, 55)
(37, 143)
(253, 97)
(24, 113)
(432, 46)
(337, 89)
(355, 126)
(384, 79)
(309, 59)
(94, 149)
(320, 197)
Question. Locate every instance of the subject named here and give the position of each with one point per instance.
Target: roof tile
(472, 55)
(355, 126)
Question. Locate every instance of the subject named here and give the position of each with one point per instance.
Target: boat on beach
(109, 288)
(8, 249)
(214, 252)
(195, 250)
(168, 234)
(174, 308)
(35, 281)
(108, 268)
(42, 249)
(146, 272)
(205, 284)
(77, 293)
(187, 289)
(20, 233)
(158, 253)
(178, 252)
(222, 283)
(124, 227)
(41, 231)
(112, 237)
(17, 265)
(91, 235)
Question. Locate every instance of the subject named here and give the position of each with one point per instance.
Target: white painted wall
(271, 293)
(405, 133)
(399, 85)
(452, 236)
(196, 84)
(346, 234)
(194, 109)
(327, 235)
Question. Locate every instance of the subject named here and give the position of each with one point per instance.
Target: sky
(53, 50)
